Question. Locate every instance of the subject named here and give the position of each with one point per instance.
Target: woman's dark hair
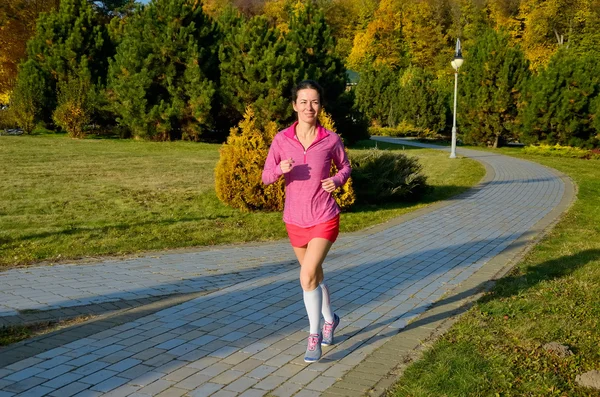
(303, 85)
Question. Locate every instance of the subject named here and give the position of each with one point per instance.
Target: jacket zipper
(305, 150)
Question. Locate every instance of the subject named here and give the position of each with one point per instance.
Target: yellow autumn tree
(381, 42)
(548, 25)
(17, 25)
(423, 34)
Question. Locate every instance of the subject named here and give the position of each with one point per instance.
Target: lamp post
(456, 64)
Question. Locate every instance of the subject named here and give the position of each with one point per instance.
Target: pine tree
(422, 102)
(559, 107)
(491, 84)
(595, 141)
(377, 95)
(312, 38)
(64, 38)
(162, 80)
(29, 92)
(257, 68)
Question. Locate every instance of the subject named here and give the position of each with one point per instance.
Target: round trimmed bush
(382, 176)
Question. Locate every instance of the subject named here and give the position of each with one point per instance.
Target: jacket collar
(322, 133)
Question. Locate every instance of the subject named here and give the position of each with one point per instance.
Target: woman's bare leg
(311, 274)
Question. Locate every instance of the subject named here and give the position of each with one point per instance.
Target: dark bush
(382, 176)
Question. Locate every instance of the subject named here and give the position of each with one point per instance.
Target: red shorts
(300, 236)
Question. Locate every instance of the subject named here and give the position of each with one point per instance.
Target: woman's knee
(310, 280)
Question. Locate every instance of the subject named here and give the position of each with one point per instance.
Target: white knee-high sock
(312, 301)
(326, 306)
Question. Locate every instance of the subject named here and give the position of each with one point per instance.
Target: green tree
(312, 38)
(26, 99)
(560, 105)
(422, 101)
(162, 80)
(377, 95)
(596, 120)
(64, 39)
(258, 68)
(74, 109)
(492, 81)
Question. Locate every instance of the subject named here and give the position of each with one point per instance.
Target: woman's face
(307, 105)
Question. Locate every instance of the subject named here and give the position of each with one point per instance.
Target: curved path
(243, 332)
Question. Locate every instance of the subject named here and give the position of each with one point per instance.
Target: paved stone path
(245, 336)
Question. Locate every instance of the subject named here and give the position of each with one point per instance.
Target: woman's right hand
(286, 165)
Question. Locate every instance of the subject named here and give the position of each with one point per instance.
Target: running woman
(303, 153)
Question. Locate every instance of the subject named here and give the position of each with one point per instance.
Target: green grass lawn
(495, 349)
(63, 199)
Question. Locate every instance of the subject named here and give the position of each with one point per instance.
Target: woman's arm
(340, 159)
(272, 170)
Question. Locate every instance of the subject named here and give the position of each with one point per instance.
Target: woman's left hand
(328, 185)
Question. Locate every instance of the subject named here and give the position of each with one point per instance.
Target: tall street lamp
(456, 64)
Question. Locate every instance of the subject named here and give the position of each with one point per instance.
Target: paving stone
(248, 365)
(23, 385)
(181, 374)
(109, 384)
(321, 383)
(194, 381)
(156, 387)
(70, 389)
(145, 379)
(88, 393)
(215, 369)
(227, 377)
(286, 390)
(37, 391)
(56, 371)
(203, 363)
(254, 393)
(24, 374)
(304, 377)
(136, 371)
(205, 390)
(172, 392)
(98, 377)
(241, 384)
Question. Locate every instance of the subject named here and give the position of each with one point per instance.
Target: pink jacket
(306, 203)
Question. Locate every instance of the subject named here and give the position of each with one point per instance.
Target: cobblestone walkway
(246, 335)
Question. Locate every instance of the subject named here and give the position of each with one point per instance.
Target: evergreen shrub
(382, 176)
(562, 151)
(238, 175)
(403, 129)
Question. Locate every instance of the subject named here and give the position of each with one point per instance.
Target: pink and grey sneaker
(328, 329)
(313, 350)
